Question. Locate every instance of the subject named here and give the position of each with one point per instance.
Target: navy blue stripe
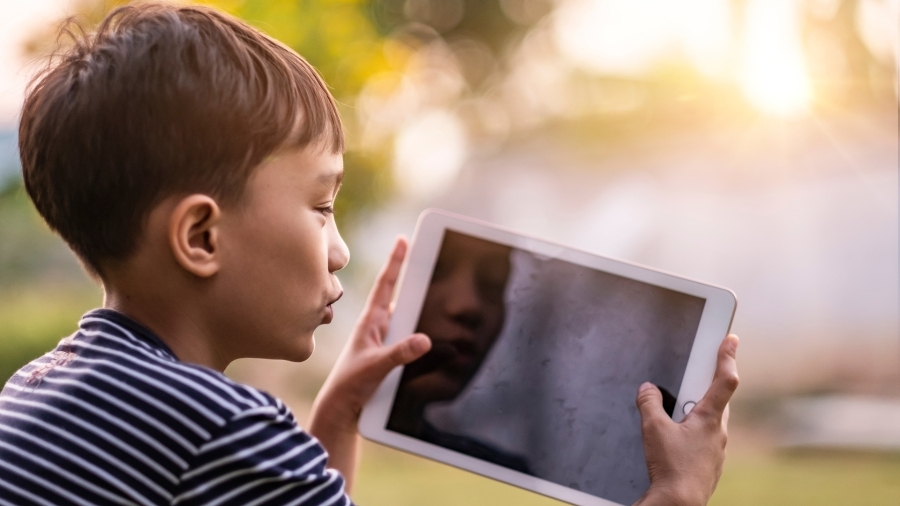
(112, 417)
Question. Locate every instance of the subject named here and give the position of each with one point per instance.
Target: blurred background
(747, 143)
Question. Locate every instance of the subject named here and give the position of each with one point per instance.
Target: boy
(191, 163)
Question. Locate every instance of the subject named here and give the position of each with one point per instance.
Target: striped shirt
(112, 417)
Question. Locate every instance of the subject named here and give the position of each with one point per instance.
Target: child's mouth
(329, 310)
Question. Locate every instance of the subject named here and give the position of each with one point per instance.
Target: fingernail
(645, 386)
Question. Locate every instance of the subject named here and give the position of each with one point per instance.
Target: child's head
(148, 144)
(161, 100)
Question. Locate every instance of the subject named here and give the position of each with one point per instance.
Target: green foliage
(335, 36)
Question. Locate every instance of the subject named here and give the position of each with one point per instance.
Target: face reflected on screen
(463, 314)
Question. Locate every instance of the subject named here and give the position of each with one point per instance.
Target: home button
(688, 406)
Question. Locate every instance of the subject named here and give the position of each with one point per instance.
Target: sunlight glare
(773, 74)
(631, 37)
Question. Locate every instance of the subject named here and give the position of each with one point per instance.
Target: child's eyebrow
(332, 179)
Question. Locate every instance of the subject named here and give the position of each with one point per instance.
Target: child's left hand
(362, 365)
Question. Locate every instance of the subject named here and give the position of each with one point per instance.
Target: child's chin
(293, 348)
(303, 350)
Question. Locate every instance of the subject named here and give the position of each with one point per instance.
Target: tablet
(537, 354)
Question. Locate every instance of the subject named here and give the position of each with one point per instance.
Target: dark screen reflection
(463, 314)
(536, 361)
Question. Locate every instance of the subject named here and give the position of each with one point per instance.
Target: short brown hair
(161, 100)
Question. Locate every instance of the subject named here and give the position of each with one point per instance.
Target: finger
(725, 381)
(384, 284)
(401, 353)
(409, 349)
(650, 404)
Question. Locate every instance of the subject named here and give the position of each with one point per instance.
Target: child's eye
(326, 209)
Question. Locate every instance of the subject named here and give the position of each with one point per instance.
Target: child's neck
(168, 312)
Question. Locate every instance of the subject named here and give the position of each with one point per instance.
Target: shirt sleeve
(261, 456)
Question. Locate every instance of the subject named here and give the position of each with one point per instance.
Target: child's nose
(464, 304)
(338, 253)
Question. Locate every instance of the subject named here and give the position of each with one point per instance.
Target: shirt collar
(124, 325)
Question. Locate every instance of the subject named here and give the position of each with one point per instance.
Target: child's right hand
(685, 459)
(363, 364)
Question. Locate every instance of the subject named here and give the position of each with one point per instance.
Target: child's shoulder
(111, 339)
(114, 359)
(156, 426)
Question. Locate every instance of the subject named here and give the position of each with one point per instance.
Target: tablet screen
(535, 364)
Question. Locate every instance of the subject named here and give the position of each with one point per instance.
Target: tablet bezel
(413, 284)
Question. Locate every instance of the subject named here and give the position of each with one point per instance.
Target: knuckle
(644, 399)
(713, 423)
(709, 417)
(731, 381)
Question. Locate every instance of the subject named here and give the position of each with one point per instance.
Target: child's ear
(193, 234)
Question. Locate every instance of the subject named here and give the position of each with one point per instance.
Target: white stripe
(105, 416)
(75, 479)
(254, 484)
(262, 466)
(95, 450)
(84, 465)
(258, 396)
(276, 492)
(262, 410)
(222, 383)
(35, 364)
(103, 435)
(335, 498)
(196, 406)
(215, 443)
(121, 385)
(241, 454)
(99, 319)
(5, 503)
(139, 414)
(302, 499)
(162, 370)
(23, 492)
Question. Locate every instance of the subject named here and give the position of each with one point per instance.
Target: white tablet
(537, 354)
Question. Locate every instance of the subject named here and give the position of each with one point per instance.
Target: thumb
(407, 350)
(650, 403)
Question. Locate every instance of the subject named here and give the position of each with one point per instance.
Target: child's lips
(329, 311)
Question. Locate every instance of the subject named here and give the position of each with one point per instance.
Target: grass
(389, 477)
(811, 478)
